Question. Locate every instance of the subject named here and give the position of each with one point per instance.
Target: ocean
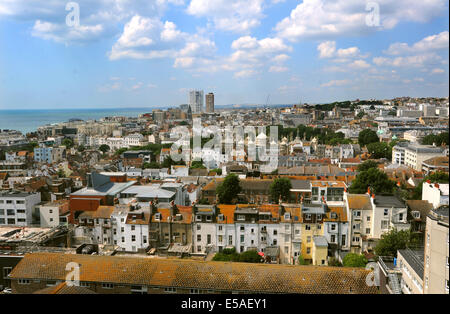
(29, 120)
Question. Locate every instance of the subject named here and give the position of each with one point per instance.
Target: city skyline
(150, 54)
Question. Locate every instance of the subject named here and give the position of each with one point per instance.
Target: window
(24, 281)
(230, 240)
(170, 290)
(307, 227)
(6, 271)
(220, 228)
(308, 239)
(242, 229)
(275, 232)
(386, 212)
(220, 238)
(122, 229)
(400, 217)
(11, 221)
(133, 227)
(84, 284)
(2, 221)
(367, 230)
(194, 291)
(123, 239)
(343, 239)
(133, 238)
(368, 218)
(286, 238)
(384, 224)
(308, 216)
(357, 213)
(208, 239)
(199, 237)
(51, 283)
(319, 217)
(107, 285)
(308, 250)
(144, 239)
(333, 238)
(10, 212)
(198, 227)
(333, 227)
(242, 238)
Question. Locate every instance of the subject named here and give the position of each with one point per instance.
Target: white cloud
(415, 61)
(238, 16)
(63, 34)
(321, 19)
(245, 73)
(327, 49)
(430, 43)
(359, 64)
(148, 38)
(278, 69)
(98, 19)
(335, 83)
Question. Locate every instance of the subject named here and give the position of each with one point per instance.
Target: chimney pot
(373, 196)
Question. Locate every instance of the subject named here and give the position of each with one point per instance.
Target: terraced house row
(283, 232)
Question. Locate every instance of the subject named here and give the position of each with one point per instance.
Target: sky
(150, 53)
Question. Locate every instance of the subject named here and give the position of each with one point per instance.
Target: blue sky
(149, 53)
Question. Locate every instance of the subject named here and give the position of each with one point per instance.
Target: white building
(196, 100)
(388, 213)
(16, 208)
(435, 193)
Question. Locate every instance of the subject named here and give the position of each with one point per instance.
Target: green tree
(367, 136)
(367, 165)
(196, 164)
(354, 260)
(333, 261)
(67, 142)
(81, 148)
(280, 187)
(218, 171)
(227, 255)
(360, 114)
(104, 148)
(228, 190)
(168, 162)
(379, 150)
(250, 256)
(301, 261)
(439, 139)
(391, 242)
(377, 180)
(151, 165)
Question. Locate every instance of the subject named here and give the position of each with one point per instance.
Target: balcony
(399, 225)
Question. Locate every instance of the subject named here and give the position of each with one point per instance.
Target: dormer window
(158, 216)
(221, 217)
(198, 218)
(416, 214)
(308, 216)
(208, 218)
(287, 216)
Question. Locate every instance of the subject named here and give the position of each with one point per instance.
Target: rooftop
(414, 259)
(178, 273)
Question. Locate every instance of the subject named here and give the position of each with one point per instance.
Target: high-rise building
(436, 252)
(210, 102)
(196, 101)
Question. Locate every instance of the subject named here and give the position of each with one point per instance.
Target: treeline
(323, 135)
